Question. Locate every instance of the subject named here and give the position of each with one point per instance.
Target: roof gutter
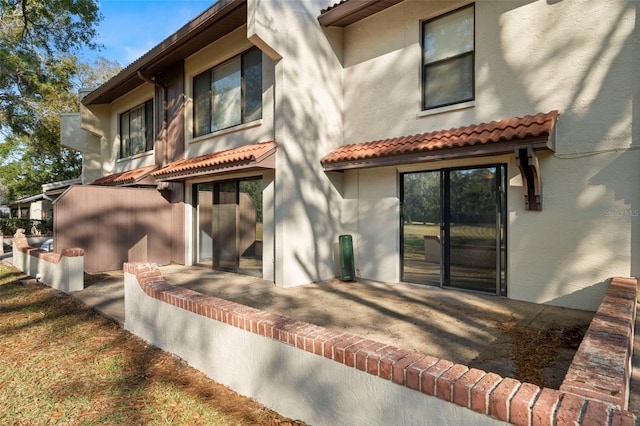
(174, 41)
(340, 14)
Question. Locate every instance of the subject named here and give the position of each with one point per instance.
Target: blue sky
(130, 28)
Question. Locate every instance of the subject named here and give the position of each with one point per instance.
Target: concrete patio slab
(459, 326)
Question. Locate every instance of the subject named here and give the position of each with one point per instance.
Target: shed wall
(116, 225)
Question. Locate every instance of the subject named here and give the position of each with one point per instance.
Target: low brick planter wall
(601, 368)
(63, 271)
(325, 376)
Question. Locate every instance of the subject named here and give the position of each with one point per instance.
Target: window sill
(448, 108)
(227, 131)
(136, 156)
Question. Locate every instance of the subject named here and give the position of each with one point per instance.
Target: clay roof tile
(507, 130)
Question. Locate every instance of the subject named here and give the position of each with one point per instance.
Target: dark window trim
(423, 64)
(243, 89)
(149, 133)
(502, 176)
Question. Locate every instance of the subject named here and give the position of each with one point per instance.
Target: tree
(38, 81)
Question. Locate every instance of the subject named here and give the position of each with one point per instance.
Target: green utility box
(347, 269)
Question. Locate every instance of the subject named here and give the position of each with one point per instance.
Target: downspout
(165, 114)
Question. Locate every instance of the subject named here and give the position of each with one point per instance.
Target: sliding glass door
(228, 229)
(453, 228)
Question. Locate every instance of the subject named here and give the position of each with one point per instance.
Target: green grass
(460, 234)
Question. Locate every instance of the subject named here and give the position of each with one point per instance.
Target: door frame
(215, 200)
(445, 224)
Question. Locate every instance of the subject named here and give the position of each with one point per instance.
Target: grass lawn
(460, 234)
(62, 363)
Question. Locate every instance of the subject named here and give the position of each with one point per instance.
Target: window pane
(252, 74)
(136, 132)
(201, 104)
(148, 125)
(449, 35)
(124, 135)
(448, 82)
(226, 95)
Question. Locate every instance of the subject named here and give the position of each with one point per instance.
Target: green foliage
(422, 197)
(472, 196)
(39, 80)
(9, 226)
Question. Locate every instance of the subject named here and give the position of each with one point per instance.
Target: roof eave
(154, 56)
(344, 13)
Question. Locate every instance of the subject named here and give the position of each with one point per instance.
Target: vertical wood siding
(116, 225)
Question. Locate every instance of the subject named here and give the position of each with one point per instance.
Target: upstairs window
(228, 94)
(136, 130)
(448, 50)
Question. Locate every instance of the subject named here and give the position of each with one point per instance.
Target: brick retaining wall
(487, 393)
(63, 271)
(601, 368)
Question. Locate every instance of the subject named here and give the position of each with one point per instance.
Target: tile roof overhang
(248, 157)
(139, 176)
(346, 12)
(496, 137)
(220, 19)
(520, 136)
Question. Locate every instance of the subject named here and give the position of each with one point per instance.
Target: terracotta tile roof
(236, 158)
(484, 135)
(123, 178)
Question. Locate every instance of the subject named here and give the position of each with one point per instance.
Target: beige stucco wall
(578, 57)
(102, 123)
(295, 383)
(308, 124)
(72, 136)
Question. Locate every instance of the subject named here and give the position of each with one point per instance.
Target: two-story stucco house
(490, 146)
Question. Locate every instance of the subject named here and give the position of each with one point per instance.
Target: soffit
(219, 20)
(256, 156)
(346, 12)
(490, 138)
(136, 176)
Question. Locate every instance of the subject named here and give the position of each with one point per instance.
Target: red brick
(73, 252)
(265, 324)
(340, 346)
(444, 383)
(351, 351)
(623, 418)
(500, 398)
(521, 404)
(430, 375)
(386, 363)
(363, 354)
(462, 387)
(596, 413)
(399, 369)
(288, 329)
(320, 341)
(570, 409)
(481, 391)
(373, 360)
(328, 344)
(301, 335)
(414, 371)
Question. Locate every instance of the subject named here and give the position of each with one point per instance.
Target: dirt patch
(534, 350)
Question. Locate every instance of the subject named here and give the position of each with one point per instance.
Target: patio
(467, 328)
